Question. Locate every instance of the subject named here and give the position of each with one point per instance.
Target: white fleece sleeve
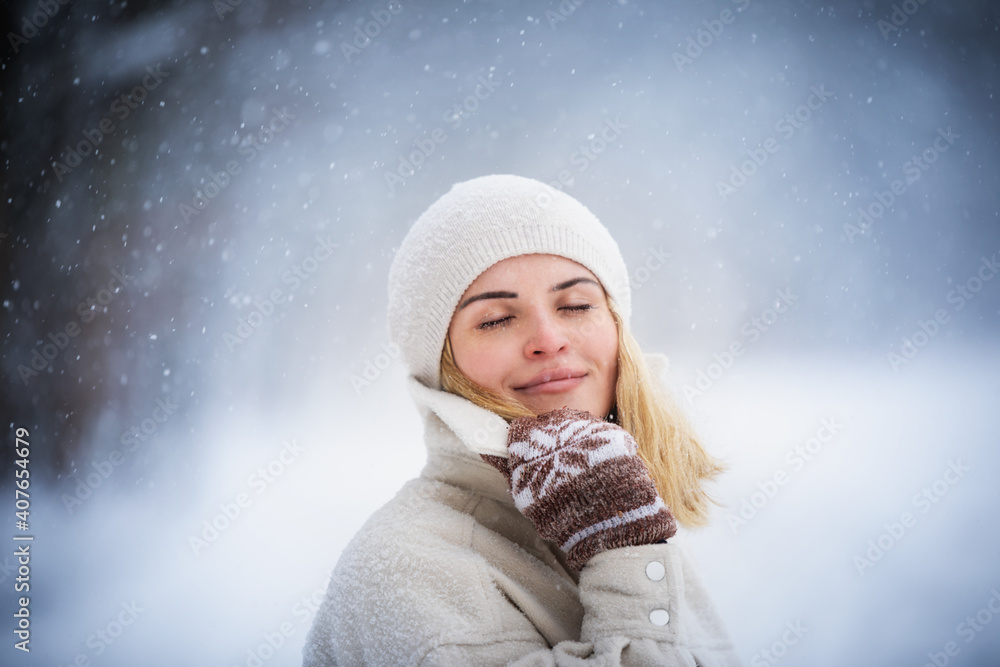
(636, 612)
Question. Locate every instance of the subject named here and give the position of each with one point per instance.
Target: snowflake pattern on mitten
(559, 451)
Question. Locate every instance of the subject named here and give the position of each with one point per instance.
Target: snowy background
(233, 159)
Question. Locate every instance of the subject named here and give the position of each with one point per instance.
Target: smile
(553, 382)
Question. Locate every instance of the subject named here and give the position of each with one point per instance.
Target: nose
(546, 336)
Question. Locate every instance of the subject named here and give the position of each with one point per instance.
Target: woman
(542, 529)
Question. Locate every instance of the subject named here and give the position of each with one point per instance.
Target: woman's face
(536, 328)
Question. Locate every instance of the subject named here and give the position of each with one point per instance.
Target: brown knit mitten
(579, 480)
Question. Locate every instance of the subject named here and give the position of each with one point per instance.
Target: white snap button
(655, 570)
(659, 617)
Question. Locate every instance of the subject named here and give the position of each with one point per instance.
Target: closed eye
(494, 323)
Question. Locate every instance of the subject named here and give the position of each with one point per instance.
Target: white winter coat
(450, 573)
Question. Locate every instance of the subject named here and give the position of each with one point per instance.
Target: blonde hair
(666, 440)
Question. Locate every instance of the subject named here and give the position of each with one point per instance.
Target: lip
(553, 381)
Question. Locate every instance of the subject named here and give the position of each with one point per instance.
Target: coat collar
(456, 432)
(481, 431)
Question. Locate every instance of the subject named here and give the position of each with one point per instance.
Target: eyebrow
(513, 295)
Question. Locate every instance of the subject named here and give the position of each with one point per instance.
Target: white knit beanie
(475, 225)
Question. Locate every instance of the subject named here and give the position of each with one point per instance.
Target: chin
(555, 403)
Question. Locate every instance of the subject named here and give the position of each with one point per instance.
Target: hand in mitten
(579, 480)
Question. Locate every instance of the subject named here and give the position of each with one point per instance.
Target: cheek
(607, 352)
(482, 363)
